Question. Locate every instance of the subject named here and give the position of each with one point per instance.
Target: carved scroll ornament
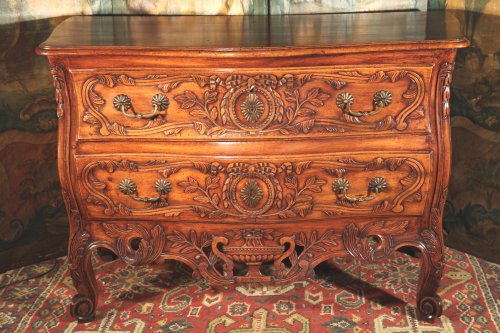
(266, 254)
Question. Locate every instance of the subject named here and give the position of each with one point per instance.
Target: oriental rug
(345, 296)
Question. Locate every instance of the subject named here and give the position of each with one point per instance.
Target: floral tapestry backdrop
(33, 223)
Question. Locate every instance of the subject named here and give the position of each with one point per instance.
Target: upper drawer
(218, 104)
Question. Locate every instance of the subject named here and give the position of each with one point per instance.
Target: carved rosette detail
(252, 108)
(252, 193)
(257, 105)
(382, 98)
(59, 85)
(136, 244)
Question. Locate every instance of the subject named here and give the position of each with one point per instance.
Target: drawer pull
(123, 103)
(381, 99)
(129, 187)
(376, 185)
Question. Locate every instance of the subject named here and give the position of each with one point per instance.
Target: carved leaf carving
(150, 245)
(359, 243)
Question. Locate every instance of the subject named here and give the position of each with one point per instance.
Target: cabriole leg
(80, 267)
(429, 304)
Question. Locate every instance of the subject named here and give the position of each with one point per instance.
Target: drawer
(177, 188)
(225, 104)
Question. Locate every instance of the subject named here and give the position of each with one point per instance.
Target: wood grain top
(233, 35)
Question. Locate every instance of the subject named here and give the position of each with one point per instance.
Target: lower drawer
(181, 188)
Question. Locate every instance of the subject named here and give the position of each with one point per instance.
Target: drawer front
(218, 104)
(266, 189)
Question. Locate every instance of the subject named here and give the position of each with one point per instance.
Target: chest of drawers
(254, 148)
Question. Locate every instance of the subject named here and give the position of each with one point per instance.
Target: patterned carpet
(345, 297)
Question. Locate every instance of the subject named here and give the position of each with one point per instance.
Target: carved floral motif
(254, 104)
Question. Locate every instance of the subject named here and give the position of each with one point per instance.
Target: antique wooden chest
(254, 148)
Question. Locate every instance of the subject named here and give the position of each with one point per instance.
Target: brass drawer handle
(129, 187)
(381, 99)
(376, 185)
(123, 103)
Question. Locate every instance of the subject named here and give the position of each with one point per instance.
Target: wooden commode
(253, 148)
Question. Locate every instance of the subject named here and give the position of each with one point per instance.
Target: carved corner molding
(57, 73)
(247, 105)
(445, 77)
(241, 190)
(266, 254)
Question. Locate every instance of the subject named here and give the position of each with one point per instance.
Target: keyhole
(134, 243)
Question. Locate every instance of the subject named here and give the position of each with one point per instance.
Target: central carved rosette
(253, 107)
(252, 193)
(251, 189)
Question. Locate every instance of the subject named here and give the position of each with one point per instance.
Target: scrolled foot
(83, 309)
(429, 308)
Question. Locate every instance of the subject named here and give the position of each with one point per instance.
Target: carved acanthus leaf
(136, 244)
